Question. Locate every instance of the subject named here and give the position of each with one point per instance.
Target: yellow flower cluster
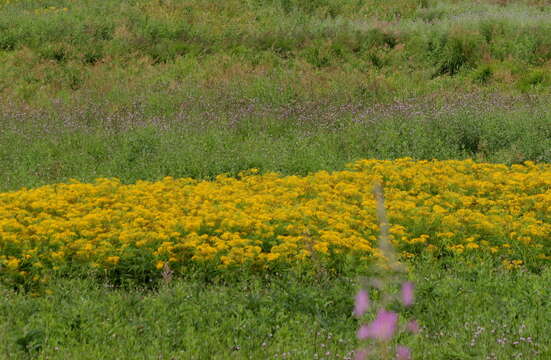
(37, 11)
(49, 10)
(455, 207)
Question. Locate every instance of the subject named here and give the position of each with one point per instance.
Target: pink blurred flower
(362, 303)
(413, 326)
(382, 328)
(360, 354)
(403, 353)
(363, 332)
(407, 293)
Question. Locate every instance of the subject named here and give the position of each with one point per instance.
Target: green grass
(288, 145)
(144, 89)
(300, 316)
(273, 51)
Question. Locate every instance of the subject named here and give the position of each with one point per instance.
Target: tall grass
(345, 50)
(38, 148)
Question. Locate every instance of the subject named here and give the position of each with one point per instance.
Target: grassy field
(467, 311)
(91, 89)
(141, 90)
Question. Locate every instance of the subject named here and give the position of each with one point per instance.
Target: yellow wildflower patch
(259, 219)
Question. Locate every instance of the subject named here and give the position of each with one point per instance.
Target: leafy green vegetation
(262, 318)
(144, 89)
(343, 49)
(305, 141)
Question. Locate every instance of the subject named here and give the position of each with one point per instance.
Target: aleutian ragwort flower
(459, 207)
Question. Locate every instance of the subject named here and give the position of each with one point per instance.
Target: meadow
(194, 179)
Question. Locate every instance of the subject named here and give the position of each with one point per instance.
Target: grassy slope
(278, 85)
(275, 51)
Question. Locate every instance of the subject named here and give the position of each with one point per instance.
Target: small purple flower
(407, 293)
(382, 328)
(403, 353)
(413, 326)
(362, 303)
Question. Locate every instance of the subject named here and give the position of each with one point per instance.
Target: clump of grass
(457, 50)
